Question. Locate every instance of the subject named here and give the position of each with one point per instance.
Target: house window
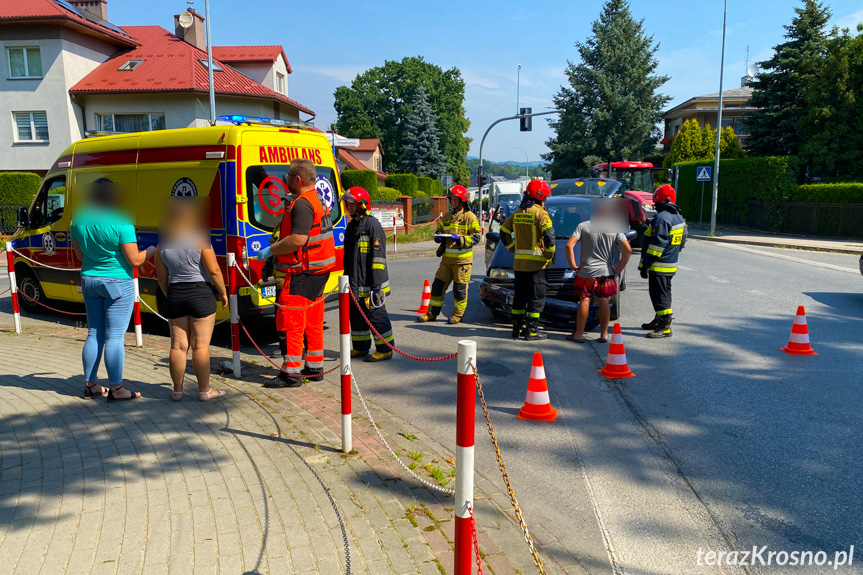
(24, 62)
(740, 127)
(125, 123)
(31, 127)
(130, 65)
(280, 83)
(216, 67)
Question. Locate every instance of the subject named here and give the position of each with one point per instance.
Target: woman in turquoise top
(104, 239)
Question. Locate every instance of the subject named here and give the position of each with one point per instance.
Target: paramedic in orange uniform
(305, 254)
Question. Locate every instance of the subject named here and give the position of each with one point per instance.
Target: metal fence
(422, 209)
(9, 218)
(838, 220)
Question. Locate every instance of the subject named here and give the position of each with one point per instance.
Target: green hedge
(366, 179)
(407, 184)
(426, 186)
(849, 193)
(386, 194)
(768, 179)
(18, 187)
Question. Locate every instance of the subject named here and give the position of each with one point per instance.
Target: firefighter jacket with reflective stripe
(529, 235)
(366, 256)
(465, 224)
(318, 256)
(663, 240)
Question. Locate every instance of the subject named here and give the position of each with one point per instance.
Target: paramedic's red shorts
(603, 287)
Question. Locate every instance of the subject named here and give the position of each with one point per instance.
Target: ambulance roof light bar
(238, 120)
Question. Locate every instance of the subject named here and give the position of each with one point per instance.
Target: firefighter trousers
(303, 321)
(457, 274)
(361, 335)
(659, 288)
(529, 298)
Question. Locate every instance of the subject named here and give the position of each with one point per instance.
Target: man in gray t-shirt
(596, 274)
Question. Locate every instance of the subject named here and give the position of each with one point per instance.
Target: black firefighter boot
(531, 330)
(653, 325)
(517, 324)
(664, 329)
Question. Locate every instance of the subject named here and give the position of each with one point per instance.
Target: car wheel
(614, 302)
(30, 290)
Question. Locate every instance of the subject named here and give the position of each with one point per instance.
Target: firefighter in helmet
(663, 240)
(366, 267)
(529, 235)
(457, 232)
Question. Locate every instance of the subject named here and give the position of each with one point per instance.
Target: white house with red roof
(69, 73)
(369, 155)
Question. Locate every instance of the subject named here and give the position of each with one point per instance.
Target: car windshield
(641, 180)
(265, 186)
(590, 187)
(509, 198)
(565, 217)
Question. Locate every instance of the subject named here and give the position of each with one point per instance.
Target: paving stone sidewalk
(252, 483)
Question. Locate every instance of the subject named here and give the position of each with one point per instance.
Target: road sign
(702, 174)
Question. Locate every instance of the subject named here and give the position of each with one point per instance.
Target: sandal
(571, 337)
(90, 394)
(111, 397)
(206, 395)
(602, 340)
(177, 395)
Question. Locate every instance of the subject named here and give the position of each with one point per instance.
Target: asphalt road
(721, 442)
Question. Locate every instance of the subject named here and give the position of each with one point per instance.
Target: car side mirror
(492, 236)
(630, 235)
(23, 218)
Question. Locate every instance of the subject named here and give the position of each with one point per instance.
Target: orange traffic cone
(798, 343)
(537, 406)
(615, 365)
(424, 306)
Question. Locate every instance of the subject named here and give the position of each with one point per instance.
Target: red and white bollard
(345, 358)
(235, 316)
(136, 310)
(464, 456)
(16, 311)
(395, 241)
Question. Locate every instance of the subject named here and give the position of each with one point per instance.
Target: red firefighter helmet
(459, 192)
(538, 190)
(665, 194)
(359, 196)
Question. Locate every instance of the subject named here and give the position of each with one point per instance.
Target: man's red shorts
(603, 287)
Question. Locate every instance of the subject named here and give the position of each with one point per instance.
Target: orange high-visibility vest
(318, 256)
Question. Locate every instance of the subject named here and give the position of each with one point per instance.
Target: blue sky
(329, 43)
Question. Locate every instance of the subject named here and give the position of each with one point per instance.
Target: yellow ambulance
(239, 167)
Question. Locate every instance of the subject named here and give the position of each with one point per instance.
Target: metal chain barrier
(45, 265)
(527, 538)
(391, 346)
(390, 449)
(154, 312)
(274, 364)
(475, 540)
(318, 301)
(30, 299)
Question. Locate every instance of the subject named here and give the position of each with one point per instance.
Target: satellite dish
(185, 20)
(753, 70)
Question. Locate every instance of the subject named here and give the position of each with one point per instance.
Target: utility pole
(210, 64)
(718, 127)
(518, 89)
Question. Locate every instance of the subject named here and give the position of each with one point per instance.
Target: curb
(775, 245)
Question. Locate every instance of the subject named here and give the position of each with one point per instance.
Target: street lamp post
(718, 126)
(526, 160)
(518, 90)
(210, 64)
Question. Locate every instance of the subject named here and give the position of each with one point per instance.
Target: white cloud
(343, 74)
(850, 20)
(480, 80)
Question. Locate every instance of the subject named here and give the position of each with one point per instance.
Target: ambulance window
(266, 204)
(50, 203)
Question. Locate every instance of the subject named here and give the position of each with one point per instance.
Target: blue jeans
(109, 304)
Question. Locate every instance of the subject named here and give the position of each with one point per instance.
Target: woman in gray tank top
(191, 280)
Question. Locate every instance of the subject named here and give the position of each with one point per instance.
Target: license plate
(268, 292)
(509, 300)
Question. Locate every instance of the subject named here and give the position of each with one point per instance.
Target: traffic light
(526, 120)
(481, 177)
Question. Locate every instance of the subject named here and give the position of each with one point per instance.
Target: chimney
(98, 8)
(194, 34)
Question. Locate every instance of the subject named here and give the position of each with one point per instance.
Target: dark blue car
(497, 289)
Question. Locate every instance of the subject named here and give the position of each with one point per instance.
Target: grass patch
(416, 455)
(423, 234)
(412, 465)
(410, 517)
(408, 436)
(437, 473)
